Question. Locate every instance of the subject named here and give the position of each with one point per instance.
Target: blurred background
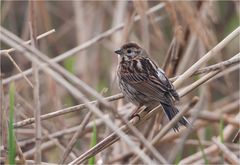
(196, 27)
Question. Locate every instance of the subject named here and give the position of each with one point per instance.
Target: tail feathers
(172, 111)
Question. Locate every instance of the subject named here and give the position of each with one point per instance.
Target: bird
(143, 83)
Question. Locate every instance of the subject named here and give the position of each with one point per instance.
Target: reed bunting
(143, 83)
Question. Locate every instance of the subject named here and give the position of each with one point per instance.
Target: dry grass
(65, 81)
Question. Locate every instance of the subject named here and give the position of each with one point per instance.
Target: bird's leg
(135, 112)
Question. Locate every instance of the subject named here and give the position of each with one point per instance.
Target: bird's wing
(149, 81)
(162, 76)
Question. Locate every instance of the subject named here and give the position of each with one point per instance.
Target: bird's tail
(172, 111)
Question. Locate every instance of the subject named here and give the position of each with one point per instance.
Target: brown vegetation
(65, 81)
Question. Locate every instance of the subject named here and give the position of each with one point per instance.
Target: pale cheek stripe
(139, 65)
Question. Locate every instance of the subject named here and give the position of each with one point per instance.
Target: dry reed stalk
(82, 31)
(31, 162)
(4, 128)
(57, 67)
(22, 159)
(36, 95)
(141, 138)
(184, 63)
(6, 8)
(228, 130)
(118, 18)
(171, 136)
(110, 136)
(29, 41)
(236, 138)
(207, 143)
(18, 68)
(85, 45)
(229, 155)
(64, 111)
(194, 118)
(115, 97)
(176, 51)
(222, 65)
(45, 131)
(75, 138)
(3, 122)
(230, 106)
(106, 142)
(206, 57)
(202, 80)
(44, 146)
(229, 100)
(195, 20)
(217, 117)
(225, 101)
(17, 43)
(171, 50)
(113, 138)
(63, 132)
(170, 125)
(120, 158)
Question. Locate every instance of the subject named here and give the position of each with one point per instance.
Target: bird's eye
(129, 51)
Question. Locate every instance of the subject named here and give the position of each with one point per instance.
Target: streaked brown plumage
(143, 83)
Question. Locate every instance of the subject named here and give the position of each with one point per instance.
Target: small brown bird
(143, 83)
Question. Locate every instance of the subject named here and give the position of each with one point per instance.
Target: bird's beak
(118, 51)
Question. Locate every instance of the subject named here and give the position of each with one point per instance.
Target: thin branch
(230, 156)
(44, 146)
(85, 44)
(66, 131)
(75, 138)
(236, 137)
(36, 93)
(171, 50)
(18, 68)
(20, 153)
(112, 138)
(63, 111)
(16, 42)
(170, 125)
(77, 108)
(28, 42)
(206, 57)
(217, 117)
(110, 98)
(184, 136)
(187, 54)
(219, 66)
(228, 130)
(207, 143)
(202, 80)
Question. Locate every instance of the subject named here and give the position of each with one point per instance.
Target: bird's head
(130, 51)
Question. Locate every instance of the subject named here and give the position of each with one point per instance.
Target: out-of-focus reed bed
(60, 102)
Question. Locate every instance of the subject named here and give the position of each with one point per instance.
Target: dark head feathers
(130, 45)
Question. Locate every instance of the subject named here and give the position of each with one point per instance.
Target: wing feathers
(144, 76)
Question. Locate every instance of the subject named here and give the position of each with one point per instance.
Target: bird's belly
(133, 95)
